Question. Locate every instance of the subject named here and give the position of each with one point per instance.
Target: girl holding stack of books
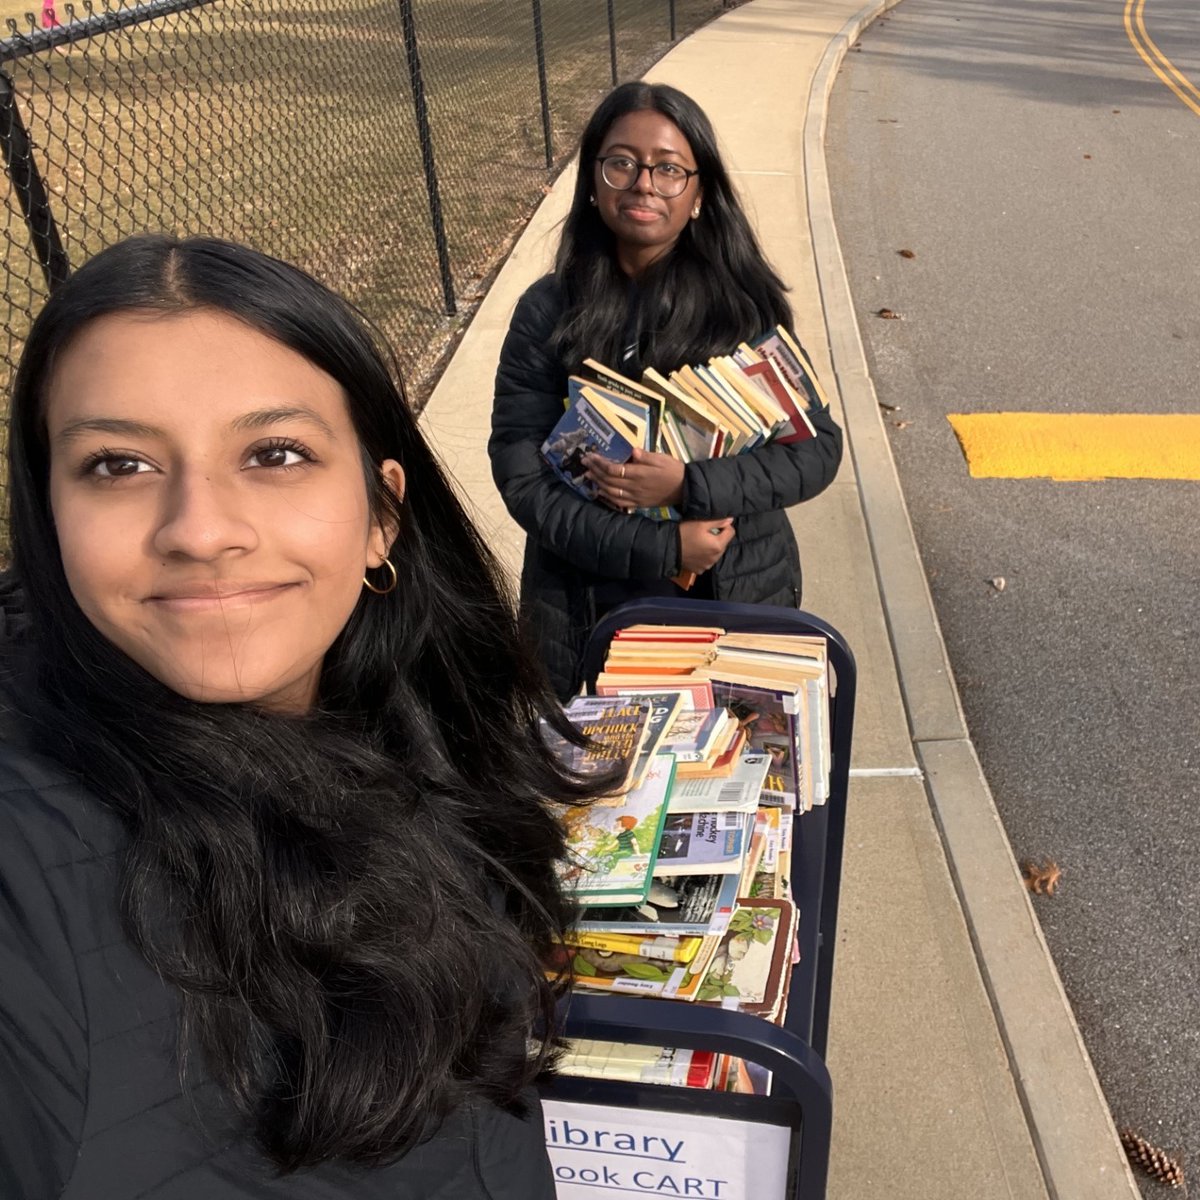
(657, 267)
(277, 852)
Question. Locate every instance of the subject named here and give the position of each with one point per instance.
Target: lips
(201, 596)
(638, 213)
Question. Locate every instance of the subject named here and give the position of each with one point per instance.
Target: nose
(645, 179)
(203, 519)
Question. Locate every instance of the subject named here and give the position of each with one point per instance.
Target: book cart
(783, 1138)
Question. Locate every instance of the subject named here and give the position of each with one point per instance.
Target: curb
(1068, 1118)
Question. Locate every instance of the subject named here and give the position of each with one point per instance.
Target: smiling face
(208, 491)
(645, 224)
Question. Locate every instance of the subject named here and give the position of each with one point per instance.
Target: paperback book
(704, 843)
(581, 431)
(684, 905)
(617, 731)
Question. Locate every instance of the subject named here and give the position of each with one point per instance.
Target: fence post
(612, 40)
(539, 44)
(671, 6)
(31, 191)
(430, 168)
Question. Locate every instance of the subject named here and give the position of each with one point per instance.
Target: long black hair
(712, 290)
(356, 903)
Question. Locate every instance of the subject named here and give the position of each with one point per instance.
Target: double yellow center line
(1155, 59)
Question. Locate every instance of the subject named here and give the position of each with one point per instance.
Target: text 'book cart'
(612, 1137)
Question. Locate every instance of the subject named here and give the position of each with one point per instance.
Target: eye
(279, 455)
(670, 170)
(115, 466)
(621, 163)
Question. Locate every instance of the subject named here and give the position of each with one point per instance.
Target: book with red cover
(801, 428)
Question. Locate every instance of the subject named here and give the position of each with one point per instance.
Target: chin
(270, 690)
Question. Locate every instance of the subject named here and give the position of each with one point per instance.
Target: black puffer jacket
(573, 545)
(91, 1104)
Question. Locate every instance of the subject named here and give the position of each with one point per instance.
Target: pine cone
(1155, 1162)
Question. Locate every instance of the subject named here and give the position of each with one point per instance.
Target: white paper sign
(599, 1152)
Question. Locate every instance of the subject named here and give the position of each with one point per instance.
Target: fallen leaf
(998, 582)
(902, 424)
(1116, 110)
(888, 407)
(907, 253)
(1041, 879)
(1087, 156)
(888, 314)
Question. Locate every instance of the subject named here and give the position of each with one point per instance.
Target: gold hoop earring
(391, 587)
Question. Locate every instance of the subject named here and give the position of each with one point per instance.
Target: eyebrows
(632, 151)
(250, 422)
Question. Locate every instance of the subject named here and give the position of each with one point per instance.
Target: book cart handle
(793, 1064)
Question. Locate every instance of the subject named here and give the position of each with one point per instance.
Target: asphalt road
(1048, 184)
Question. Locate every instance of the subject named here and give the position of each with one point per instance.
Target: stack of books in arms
(761, 393)
(719, 742)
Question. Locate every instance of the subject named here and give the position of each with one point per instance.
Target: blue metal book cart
(801, 1099)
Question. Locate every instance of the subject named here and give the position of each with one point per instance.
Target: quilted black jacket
(572, 544)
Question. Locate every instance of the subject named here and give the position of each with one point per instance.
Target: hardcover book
(750, 969)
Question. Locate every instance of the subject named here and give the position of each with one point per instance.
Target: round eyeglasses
(621, 172)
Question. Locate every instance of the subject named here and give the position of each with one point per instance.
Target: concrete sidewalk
(957, 1067)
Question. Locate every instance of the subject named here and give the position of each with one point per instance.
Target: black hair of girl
(714, 288)
(355, 903)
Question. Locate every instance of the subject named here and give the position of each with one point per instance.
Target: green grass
(289, 124)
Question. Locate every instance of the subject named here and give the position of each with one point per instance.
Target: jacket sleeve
(43, 1038)
(770, 477)
(530, 387)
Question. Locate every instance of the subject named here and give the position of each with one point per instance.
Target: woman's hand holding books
(647, 480)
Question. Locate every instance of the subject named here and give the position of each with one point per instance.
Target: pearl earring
(592, 198)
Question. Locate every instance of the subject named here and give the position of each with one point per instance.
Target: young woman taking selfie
(276, 842)
(657, 267)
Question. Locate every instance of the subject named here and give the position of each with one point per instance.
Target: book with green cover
(612, 849)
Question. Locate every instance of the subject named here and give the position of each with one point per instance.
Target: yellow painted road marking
(1155, 59)
(1026, 445)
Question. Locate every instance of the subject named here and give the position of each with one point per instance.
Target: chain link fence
(394, 148)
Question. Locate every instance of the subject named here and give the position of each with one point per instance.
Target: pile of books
(761, 393)
(718, 742)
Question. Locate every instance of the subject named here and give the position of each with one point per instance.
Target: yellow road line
(1026, 445)
(1155, 59)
